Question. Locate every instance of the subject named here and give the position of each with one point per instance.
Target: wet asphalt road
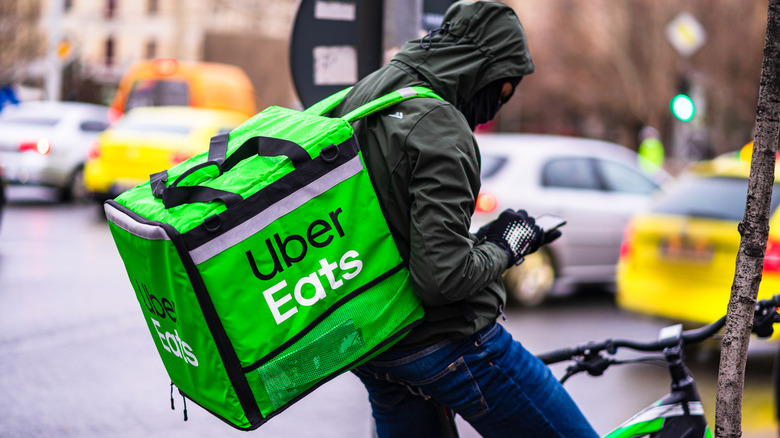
(76, 359)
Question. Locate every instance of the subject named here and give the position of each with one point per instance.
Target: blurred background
(603, 70)
(635, 127)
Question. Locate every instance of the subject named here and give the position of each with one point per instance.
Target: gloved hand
(517, 234)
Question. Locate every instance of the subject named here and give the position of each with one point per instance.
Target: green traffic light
(682, 107)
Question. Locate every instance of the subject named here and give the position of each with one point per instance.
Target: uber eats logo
(283, 252)
(163, 308)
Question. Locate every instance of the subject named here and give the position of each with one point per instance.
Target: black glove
(517, 234)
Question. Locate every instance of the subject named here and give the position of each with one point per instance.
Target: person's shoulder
(427, 124)
(430, 112)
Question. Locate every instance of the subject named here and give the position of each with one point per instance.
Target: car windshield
(158, 93)
(30, 120)
(153, 122)
(620, 178)
(150, 126)
(714, 197)
(591, 173)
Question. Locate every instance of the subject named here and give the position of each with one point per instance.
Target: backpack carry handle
(262, 146)
(175, 195)
(326, 105)
(389, 100)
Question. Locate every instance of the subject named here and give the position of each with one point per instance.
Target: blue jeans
(490, 380)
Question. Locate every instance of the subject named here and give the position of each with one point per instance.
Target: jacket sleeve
(446, 263)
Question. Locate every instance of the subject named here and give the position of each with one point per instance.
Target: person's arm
(445, 263)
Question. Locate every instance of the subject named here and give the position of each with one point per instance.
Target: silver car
(2, 191)
(46, 143)
(595, 185)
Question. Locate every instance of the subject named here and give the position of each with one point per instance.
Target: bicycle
(679, 414)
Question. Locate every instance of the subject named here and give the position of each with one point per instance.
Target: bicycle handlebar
(688, 337)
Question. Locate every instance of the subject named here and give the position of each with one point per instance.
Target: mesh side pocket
(287, 376)
(342, 338)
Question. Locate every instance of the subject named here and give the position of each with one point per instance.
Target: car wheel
(75, 191)
(529, 283)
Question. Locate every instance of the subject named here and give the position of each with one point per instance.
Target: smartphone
(548, 222)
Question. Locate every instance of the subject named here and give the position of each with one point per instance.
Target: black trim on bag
(236, 374)
(260, 362)
(271, 194)
(175, 195)
(225, 348)
(133, 215)
(252, 425)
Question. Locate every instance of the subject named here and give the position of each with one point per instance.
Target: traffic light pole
(53, 62)
(688, 107)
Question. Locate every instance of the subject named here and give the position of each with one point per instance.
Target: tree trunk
(754, 230)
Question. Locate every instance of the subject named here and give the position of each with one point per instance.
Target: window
(30, 120)
(110, 8)
(158, 93)
(620, 178)
(716, 198)
(145, 123)
(151, 50)
(570, 173)
(93, 126)
(491, 164)
(146, 127)
(110, 51)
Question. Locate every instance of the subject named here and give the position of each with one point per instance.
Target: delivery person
(425, 167)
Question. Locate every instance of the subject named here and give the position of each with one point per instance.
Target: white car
(595, 185)
(46, 143)
(2, 191)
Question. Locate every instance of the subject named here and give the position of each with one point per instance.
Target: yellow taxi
(169, 82)
(150, 139)
(678, 259)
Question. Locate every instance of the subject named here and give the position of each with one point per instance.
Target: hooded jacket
(425, 164)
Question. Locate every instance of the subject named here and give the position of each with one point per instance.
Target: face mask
(486, 102)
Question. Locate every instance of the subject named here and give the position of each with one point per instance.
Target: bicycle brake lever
(570, 371)
(579, 366)
(763, 322)
(594, 363)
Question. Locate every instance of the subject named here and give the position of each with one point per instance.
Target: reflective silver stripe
(407, 92)
(274, 212)
(665, 411)
(125, 222)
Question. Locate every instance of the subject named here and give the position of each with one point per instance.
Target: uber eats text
(163, 308)
(285, 251)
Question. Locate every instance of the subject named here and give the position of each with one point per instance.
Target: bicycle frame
(678, 414)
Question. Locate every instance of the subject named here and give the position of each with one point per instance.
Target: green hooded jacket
(425, 164)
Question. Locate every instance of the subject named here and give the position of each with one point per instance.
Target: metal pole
(402, 22)
(53, 62)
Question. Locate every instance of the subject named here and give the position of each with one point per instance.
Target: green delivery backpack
(265, 267)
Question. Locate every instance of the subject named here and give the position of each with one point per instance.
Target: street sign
(333, 45)
(686, 34)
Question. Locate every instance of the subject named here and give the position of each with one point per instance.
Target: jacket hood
(480, 42)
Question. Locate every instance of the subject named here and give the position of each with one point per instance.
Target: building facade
(102, 38)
